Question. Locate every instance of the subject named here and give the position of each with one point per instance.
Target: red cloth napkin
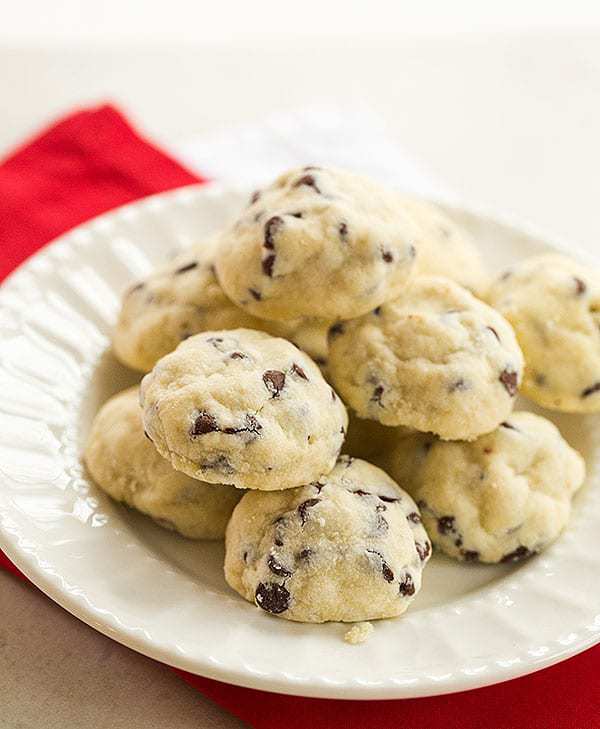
(92, 161)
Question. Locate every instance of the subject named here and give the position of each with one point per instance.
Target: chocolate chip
(423, 550)
(487, 450)
(458, 385)
(376, 396)
(237, 355)
(381, 523)
(518, 554)
(360, 492)
(469, 555)
(591, 390)
(509, 426)
(277, 568)
(307, 180)
(406, 588)
(388, 499)
(304, 507)
(494, 332)
(305, 554)
(458, 542)
(580, 286)
(271, 227)
(203, 423)
(255, 294)
(254, 197)
(272, 597)
(186, 268)
(377, 310)
(343, 230)
(274, 381)
(297, 215)
(333, 395)
(386, 571)
(414, 517)
(297, 370)
(387, 256)
(245, 557)
(220, 464)
(335, 329)
(252, 426)
(147, 436)
(445, 524)
(267, 265)
(509, 379)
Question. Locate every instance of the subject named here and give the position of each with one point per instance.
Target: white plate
(165, 596)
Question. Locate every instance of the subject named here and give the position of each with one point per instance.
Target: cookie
(178, 300)
(350, 547)
(500, 498)
(434, 359)
(553, 304)
(317, 243)
(125, 464)
(184, 298)
(243, 408)
(444, 248)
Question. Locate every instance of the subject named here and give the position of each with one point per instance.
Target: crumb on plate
(358, 633)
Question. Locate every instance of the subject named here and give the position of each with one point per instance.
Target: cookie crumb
(358, 633)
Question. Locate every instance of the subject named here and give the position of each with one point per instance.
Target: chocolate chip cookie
(500, 498)
(553, 304)
(317, 243)
(347, 547)
(124, 463)
(434, 359)
(243, 408)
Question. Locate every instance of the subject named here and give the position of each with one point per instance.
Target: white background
(500, 102)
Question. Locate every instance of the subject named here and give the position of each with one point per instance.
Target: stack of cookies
(330, 301)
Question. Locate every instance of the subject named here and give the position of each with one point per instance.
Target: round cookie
(434, 359)
(499, 498)
(553, 304)
(177, 300)
(350, 547)
(244, 408)
(317, 243)
(444, 248)
(124, 463)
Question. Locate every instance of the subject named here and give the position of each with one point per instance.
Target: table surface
(509, 121)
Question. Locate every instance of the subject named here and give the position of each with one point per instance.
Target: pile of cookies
(330, 292)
